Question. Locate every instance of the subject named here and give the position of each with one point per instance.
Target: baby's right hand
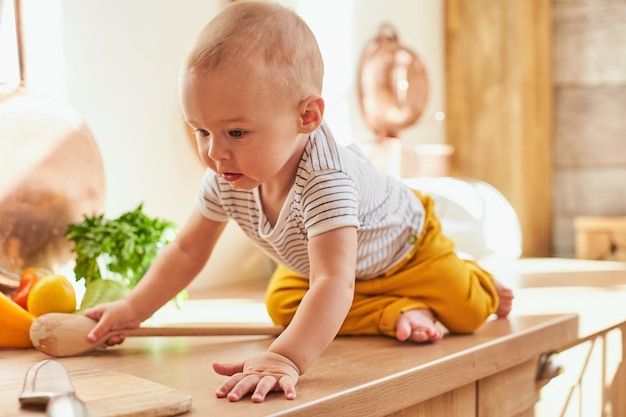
(111, 316)
(258, 376)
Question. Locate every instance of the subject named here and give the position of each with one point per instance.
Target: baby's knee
(279, 316)
(467, 321)
(280, 308)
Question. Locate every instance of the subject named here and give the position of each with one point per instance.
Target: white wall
(116, 62)
(343, 28)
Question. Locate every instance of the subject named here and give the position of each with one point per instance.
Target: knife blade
(47, 385)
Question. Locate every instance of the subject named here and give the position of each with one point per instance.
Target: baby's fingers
(113, 340)
(227, 387)
(288, 387)
(100, 330)
(263, 387)
(246, 385)
(116, 339)
(228, 369)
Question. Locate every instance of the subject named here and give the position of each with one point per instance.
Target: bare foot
(418, 326)
(506, 300)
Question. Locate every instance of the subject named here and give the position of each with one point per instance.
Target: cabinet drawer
(458, 403)
(512, 392)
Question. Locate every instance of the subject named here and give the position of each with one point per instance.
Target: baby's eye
(202, 132)
(236, 133)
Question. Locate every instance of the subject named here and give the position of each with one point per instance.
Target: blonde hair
(269, 37)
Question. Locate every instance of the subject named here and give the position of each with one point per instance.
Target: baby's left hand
(258, 375)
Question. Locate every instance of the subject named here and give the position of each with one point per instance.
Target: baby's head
(269, 39)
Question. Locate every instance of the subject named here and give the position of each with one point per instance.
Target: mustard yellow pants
(460, 293)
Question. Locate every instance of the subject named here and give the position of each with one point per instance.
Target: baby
(359, 253)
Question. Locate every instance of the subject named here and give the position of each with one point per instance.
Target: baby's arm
(323, 309)
(316, 323)
(173, 269)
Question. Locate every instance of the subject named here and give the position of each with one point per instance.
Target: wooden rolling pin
(64, 334)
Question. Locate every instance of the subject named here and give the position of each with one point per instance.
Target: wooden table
(558, 308)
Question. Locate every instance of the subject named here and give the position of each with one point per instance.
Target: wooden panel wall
(590, 108)
(499, 105)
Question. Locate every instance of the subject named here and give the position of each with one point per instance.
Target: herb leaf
(122, 249)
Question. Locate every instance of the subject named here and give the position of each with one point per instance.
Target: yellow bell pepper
(14, 324)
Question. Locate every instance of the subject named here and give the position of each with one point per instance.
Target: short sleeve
(330, 200)
(208, 201)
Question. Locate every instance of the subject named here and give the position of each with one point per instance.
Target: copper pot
(51, 174)
(393, 86)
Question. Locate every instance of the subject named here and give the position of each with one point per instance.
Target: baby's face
(245, 131)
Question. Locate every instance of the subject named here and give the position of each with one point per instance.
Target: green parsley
(119, 249)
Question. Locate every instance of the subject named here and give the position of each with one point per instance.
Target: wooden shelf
(600, 238)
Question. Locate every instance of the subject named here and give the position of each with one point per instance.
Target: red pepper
(27, 279)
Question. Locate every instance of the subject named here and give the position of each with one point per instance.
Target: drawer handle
(549, 367)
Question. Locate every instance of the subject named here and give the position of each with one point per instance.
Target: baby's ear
(311, 111)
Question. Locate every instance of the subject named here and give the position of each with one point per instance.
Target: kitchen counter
(559, 304)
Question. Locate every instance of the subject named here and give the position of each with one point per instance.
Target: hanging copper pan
(51, 174)
(393, 86)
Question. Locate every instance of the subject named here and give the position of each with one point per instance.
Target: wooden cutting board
(107, 394)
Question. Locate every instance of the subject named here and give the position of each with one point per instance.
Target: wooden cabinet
(578, 313)
(458, 403)
(600, 238)
(593, 382)
(510, 393)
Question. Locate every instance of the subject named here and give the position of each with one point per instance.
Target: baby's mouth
(231, 176)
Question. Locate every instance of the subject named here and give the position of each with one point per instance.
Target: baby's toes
(420, 335)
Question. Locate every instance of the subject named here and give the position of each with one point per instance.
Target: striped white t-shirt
(334, 187)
